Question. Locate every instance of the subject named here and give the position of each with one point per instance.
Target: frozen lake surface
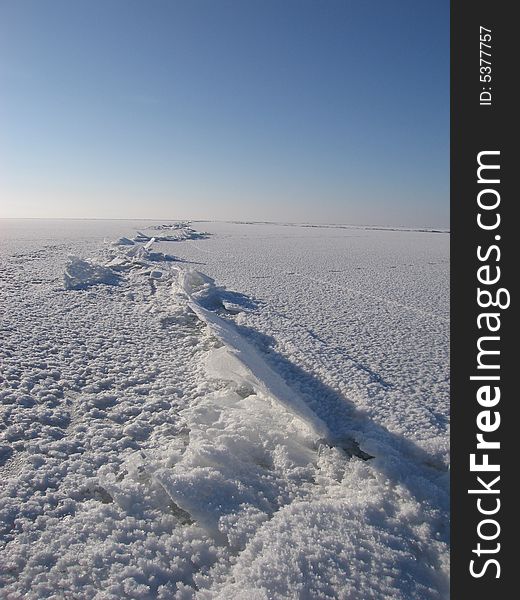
(261, 412)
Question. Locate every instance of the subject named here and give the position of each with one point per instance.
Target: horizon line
(417, 228)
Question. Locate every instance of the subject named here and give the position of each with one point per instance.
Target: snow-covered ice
(258, 411)
(80, 274)
(175, 232)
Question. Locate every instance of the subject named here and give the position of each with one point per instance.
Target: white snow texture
(282, 433)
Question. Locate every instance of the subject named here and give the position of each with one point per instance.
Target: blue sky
(299, 110)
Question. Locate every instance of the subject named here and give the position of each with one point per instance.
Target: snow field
(155, 447)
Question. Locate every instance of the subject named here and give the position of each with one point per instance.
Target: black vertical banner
(484, 136)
